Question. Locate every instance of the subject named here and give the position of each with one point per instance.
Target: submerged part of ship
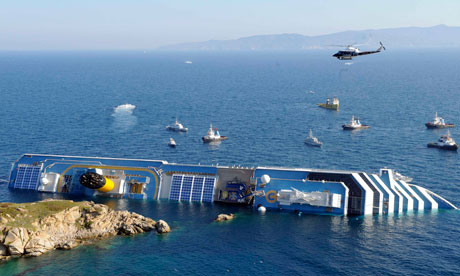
(302, 190)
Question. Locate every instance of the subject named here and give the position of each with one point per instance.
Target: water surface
(63, 103)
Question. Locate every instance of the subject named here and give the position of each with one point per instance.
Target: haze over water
(63, 103)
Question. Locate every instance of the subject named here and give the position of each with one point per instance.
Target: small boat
(172, 143)
(355, 123)
(177, 127)
(188, 62)
(213, 136)
(312, 140)
(334, 104)
(400, 177)
(438, 122)
(445, 142)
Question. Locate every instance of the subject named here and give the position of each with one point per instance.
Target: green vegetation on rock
(24, 214)
(31, 229)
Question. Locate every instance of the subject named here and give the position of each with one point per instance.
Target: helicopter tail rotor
(381, 46)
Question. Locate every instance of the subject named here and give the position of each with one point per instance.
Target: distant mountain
(408, 37)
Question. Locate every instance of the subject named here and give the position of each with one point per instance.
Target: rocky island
(31, 229)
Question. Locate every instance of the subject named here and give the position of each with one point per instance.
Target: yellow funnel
(107, 187)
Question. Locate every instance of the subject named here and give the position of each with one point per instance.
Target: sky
(148, 24)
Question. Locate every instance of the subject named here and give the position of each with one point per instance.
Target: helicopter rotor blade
(353, 44)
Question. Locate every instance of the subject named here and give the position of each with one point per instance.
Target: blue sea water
(63, 103)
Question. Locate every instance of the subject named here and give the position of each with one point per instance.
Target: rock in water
(224, 217)
(162, 227)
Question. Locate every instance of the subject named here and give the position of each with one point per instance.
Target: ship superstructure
(304, 190)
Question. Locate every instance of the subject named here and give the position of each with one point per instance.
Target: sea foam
(124, 108)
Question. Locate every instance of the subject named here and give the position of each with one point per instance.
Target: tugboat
(331, 105)
(312, 140)
(177, 127)
(355, 123)
(438, 122)
(445, 142)
(212, 136)
(172, 143)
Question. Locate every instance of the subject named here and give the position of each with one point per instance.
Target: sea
(265, 102)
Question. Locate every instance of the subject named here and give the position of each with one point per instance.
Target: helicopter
(352, 51)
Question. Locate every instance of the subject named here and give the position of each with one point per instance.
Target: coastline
(31, 229)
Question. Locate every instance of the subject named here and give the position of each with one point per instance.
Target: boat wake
(123, 117)
(214, 145)
(348, 63)
(124, 108)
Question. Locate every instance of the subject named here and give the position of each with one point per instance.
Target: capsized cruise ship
(312, 191)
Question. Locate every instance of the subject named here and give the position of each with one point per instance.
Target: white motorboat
(177, 127)
(312, 140)
(172, 143)
(213, 136)
(399, 176)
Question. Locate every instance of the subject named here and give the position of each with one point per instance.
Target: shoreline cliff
(31, 229)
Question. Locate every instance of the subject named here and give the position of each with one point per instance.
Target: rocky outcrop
(69, 228)
(16, 240)
(162, 227)
(224, 217)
